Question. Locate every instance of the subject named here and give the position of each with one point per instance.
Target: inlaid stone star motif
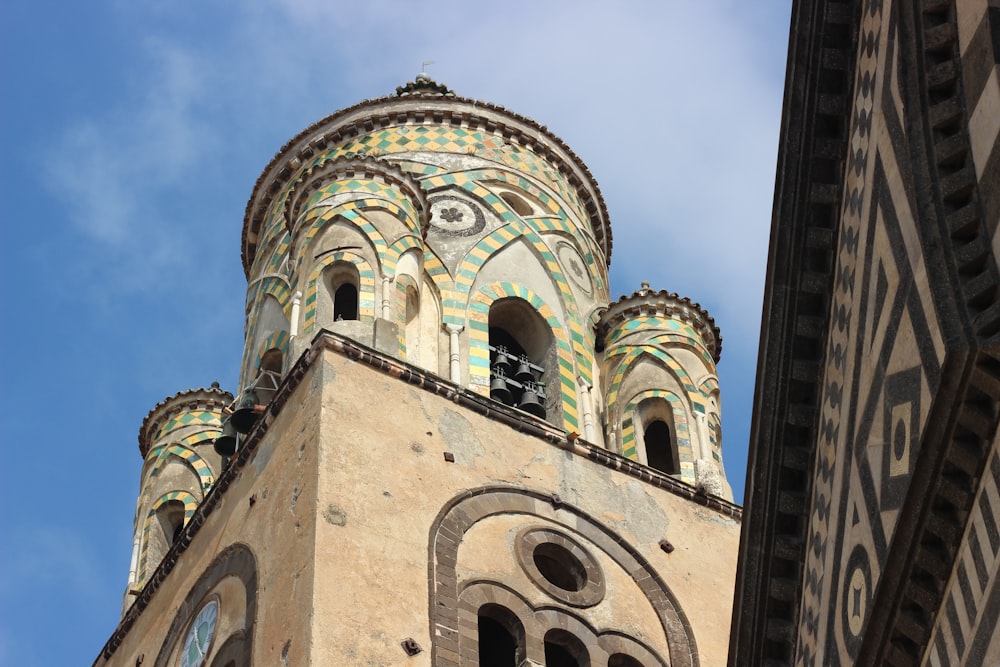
(575, 267)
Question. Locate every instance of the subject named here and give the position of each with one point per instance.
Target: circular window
(560, 566)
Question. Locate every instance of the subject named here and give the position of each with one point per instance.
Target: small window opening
(518, 204)
(345, 303)
(501, 637)
(344, 284)
(563, 649)
(622, 660)
(659, 448)
(171, 517)
(560, 567)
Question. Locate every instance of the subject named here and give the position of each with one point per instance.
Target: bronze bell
(502, 360)
(524, 373)
(245, 415)
(498, 388)
(225, 444)
(530, 402)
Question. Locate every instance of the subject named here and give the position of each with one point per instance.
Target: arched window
(622, 660)
(655, 421)
(501, 637)
(168, 522)
(562, 649)
(523, 351)
(343, 283)
(171, 518)
(520, 206)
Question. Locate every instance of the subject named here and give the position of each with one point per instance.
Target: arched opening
(524, 368)
(516, 203)
(167, 525)
(659, 448)
(272, 361)
(562, 649)
(170, 516)
(344, 284)
(501, 637)
(622, 660)
(654, 420)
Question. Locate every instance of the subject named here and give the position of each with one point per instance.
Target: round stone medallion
(574, 266)
(455, 216)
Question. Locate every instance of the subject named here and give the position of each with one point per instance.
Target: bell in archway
(245, 415)
(225, 444)
(499, 391)
(501, 359)
(524, 373)
(531, 400)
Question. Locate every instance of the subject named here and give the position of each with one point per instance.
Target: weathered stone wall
(347, 503)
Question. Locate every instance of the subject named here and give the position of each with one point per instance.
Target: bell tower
(448, 446)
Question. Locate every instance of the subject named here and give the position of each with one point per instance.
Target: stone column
(455, 352)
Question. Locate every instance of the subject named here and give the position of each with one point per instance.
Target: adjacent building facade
(873, 487)
(456, 448)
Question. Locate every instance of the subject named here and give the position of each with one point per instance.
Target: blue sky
(131, 134)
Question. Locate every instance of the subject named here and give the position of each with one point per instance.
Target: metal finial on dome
(423, 76)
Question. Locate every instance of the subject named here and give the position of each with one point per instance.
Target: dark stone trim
(456, 517)
(808, 193)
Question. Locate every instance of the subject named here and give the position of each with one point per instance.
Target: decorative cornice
(644, 302)
(816, 115)
(421, 105)
(211, 398)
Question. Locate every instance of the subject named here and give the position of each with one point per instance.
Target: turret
(180, 466)
(661, 389)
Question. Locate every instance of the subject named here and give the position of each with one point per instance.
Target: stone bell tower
(448, 446)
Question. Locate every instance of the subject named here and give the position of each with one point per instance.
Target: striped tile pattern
(681, 434)
(160, 456)
(193, 417)
(366, 293)
(190, 504)
(277, 341)
(624, 360)
(965, 623)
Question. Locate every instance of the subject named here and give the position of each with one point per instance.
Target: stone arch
(681, 430)
(396, 250)
(499, 239)
(159, 456)
(366, 289)
(633, 355)
(462, 512)
(278, 340)
(190, 504)
(236, 560)
(479, 352)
